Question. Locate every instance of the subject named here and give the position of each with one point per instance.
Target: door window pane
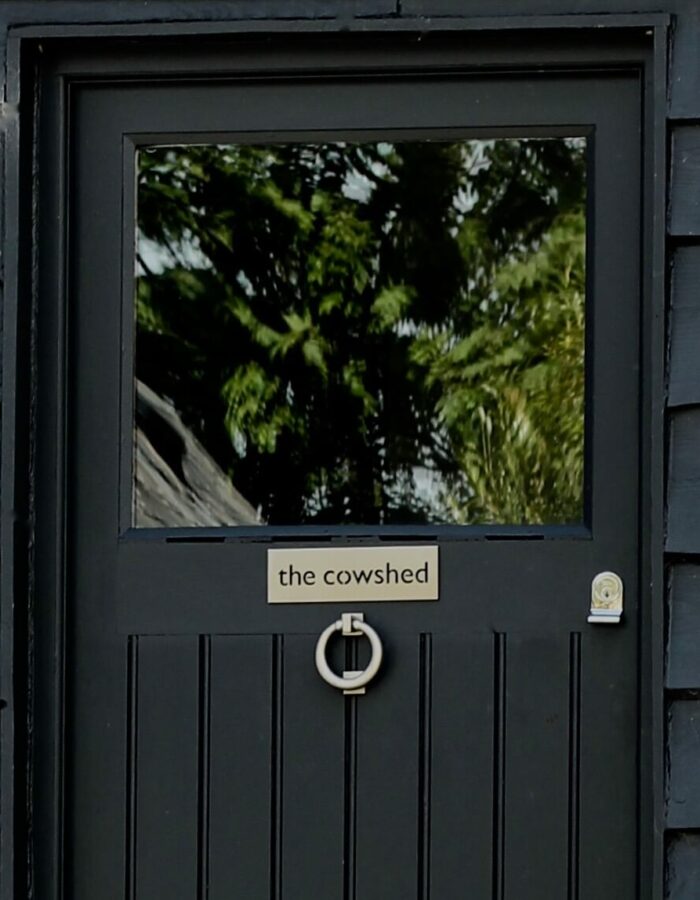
(360, 333)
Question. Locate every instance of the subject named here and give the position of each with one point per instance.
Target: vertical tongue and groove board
(536, 774)
(240, 792)
(165, 783)
(463, 713)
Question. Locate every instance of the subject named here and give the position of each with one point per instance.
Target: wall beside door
(683, 508)
(682, 533)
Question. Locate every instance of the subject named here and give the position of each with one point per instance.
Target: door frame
(32, 577)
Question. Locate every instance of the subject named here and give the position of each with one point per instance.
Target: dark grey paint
(683, 534)
(683, 664)
(685, 71)
(684, 365)
(683, 793)
(683, 516)
(684, 103)
(349, 799)
(683, 866)
(684, 216)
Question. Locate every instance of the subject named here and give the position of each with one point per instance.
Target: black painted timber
(684, 217)
(682, 880)
(684, 364)
(683, 795)
(683, 866)
(365, 769)
(683, 663)
(683, 514)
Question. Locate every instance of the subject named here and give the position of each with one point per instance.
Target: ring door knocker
(349, 625)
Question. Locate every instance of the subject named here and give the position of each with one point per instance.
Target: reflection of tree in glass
(372, 332)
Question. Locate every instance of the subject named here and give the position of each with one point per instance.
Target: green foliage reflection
(373, 333)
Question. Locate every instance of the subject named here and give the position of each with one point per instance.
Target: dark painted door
(495, 753)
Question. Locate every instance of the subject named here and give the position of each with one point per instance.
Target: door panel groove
(574, 761)
(276, 769)
(350, 778)
(131, 757)
(204, 734)
(499, 765)
(425, 726)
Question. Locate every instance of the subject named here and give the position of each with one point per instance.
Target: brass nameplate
(341, 574)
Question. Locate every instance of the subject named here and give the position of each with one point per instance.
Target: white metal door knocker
(349, 625)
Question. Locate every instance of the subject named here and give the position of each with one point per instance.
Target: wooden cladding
(683, 486)
(684, 361)
(683, 659)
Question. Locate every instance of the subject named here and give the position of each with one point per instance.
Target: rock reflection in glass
(360, 333)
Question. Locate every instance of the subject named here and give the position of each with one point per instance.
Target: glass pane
(360, 333)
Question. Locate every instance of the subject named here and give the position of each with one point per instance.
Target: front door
(346, 297)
